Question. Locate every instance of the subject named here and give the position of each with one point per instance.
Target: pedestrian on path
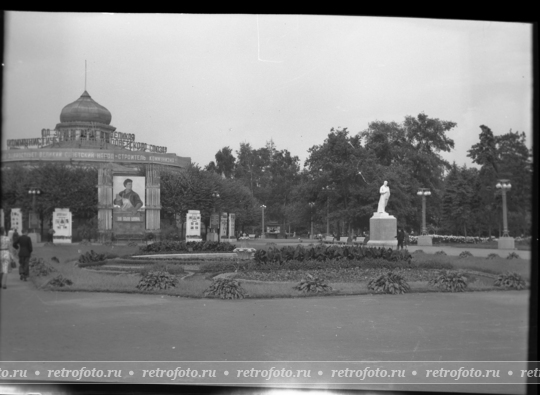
(400, 237)
(24, 244)
(5, 257)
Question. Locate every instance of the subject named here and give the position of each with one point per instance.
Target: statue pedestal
(506, 243)
(382, 230)
(424, 241)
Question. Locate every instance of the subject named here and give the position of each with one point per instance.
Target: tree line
(337, 187)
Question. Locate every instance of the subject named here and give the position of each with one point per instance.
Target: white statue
(383, 200)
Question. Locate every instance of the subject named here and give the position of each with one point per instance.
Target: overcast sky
(197, 83)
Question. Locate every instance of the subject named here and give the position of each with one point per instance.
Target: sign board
(16, 219)
(193, 225)
(33, 220)
(214, 221)
(223, 227)
(62, 225)
(232, 218)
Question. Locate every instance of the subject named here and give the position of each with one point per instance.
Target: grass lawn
(275, 285)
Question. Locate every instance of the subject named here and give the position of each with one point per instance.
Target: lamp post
(215, 196)
(262, 233)
(424, 239)
(34, 192)
(505, 242)
(311, 205)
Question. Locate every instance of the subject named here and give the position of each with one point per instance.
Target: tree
(505, 157)
(411, 153)
(194, 188)
(225, 162)
(458, 199)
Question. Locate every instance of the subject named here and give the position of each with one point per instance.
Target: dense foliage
(324, 253)
(156, 281)
(449, 280)
(169, 246)
(313, 284)
(510, 280)
(390, 283)
(226, 289)
(59, 281)
(39, 267)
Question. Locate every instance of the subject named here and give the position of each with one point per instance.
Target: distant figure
(24, 244)
(383, 200)
(50, 235)
(5, 257)
(400, 237)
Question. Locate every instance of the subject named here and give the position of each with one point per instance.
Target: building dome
(84, 109)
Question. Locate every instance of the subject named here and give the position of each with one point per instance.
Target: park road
(39, 325)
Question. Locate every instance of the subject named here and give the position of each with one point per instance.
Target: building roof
(85, 109)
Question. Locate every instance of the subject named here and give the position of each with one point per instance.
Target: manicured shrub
(440, 253)
(39, 267)
(465, 254)
(390, 283)
(513, 255)
(226, 288)
(172, 246)
(493, 256)
(91, 256)
(324, 253)
(157, 280)
(59, 281)
(510, 280)
(450, 280)
(312, 284)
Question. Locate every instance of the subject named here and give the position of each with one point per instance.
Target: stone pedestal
(382, 230)
(506, 243)
(425, 241)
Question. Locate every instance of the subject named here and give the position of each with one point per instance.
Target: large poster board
(223, 226)
(129, 193)
(62, 225)
(193, 225)
(16, 219)
(232, 218)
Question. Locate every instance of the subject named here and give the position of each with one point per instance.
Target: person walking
(24, 244)
(5, 257)
(400, 237)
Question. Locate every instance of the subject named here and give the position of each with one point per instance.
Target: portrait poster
(125, 199)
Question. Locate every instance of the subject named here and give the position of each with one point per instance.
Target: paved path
(42, 325)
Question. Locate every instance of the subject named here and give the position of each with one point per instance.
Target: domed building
(85, 137)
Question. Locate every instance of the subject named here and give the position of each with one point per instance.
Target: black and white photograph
(373, 176)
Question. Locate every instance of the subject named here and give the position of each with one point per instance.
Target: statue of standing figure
(385, 195)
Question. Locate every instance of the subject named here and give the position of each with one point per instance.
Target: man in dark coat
(24, 244)
(400, 237)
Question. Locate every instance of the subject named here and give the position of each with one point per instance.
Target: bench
(343, 240)
(328, 239)
(359, 240)
(251, 236)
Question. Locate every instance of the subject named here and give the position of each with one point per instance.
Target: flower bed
(168, 246)
(449, 239)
